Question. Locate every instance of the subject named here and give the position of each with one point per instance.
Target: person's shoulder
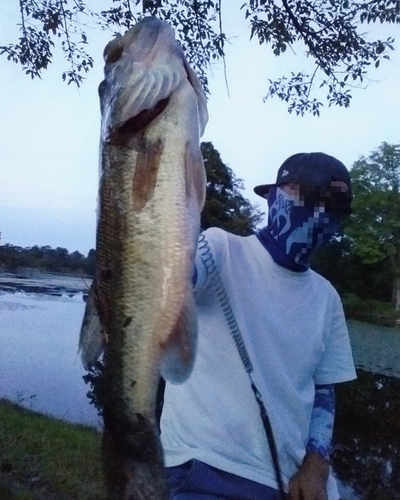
(318, 278)
(221, 237)
(214, 240)
(215, 232)
(323, 283)
(215, 236)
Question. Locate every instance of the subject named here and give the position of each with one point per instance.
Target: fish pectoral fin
(91, 340)
(179, 351)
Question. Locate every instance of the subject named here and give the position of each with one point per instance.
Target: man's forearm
(322, 419)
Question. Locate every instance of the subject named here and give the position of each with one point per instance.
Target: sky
(49, 132)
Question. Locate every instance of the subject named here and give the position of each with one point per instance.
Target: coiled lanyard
(218, 287)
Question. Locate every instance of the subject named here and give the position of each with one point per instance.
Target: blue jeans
(195, 480)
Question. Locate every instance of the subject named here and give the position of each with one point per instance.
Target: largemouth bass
(152, 190)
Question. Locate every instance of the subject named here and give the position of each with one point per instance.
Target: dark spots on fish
(145, 177)
(133, 383)
(105, 274)
(144, 118)
(127, 322)
(133, 434)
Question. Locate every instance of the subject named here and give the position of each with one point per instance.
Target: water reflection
(375, 348)
(367, 436)
(52, 284)
(39, 363)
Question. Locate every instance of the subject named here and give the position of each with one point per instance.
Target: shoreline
(44, 458)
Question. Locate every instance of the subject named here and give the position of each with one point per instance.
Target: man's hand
(309, 483)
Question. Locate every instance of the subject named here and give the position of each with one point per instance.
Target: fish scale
(152, 189)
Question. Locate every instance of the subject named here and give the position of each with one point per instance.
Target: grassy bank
(46, 459)
(370, 311)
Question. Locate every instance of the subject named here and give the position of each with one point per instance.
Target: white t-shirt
(296, 336)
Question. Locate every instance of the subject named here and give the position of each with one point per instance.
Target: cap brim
(263, 189)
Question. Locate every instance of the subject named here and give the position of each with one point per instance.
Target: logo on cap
(285, 172)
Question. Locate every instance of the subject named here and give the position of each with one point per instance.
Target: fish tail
(132, 458)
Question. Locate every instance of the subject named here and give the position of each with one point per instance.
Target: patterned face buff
(297, 225)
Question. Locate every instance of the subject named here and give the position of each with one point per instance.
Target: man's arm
(310, 481)
(322, 419)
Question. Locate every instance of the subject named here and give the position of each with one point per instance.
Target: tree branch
(312, 80)
(223, 55)
(21, 9)
(66, 31)
(300, 29)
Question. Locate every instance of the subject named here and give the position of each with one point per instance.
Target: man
(291, 324)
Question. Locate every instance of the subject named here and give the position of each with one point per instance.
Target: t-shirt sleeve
(210, 257)
(337, 363)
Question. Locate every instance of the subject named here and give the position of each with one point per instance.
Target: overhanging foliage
(331, 32)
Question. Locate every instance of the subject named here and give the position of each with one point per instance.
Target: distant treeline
(362, 261)
(46, 258)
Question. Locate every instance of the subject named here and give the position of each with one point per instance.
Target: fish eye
(113, 51)
(114, 55)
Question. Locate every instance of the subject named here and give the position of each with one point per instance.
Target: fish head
(142, 70)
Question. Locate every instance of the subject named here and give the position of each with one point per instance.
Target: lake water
(40, 368)
(375, 349)
(40, 318)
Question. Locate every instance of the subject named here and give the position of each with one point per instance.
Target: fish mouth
(143, 119)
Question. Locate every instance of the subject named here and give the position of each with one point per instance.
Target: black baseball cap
(307, 169)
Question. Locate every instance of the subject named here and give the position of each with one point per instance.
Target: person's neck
(277, 253)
